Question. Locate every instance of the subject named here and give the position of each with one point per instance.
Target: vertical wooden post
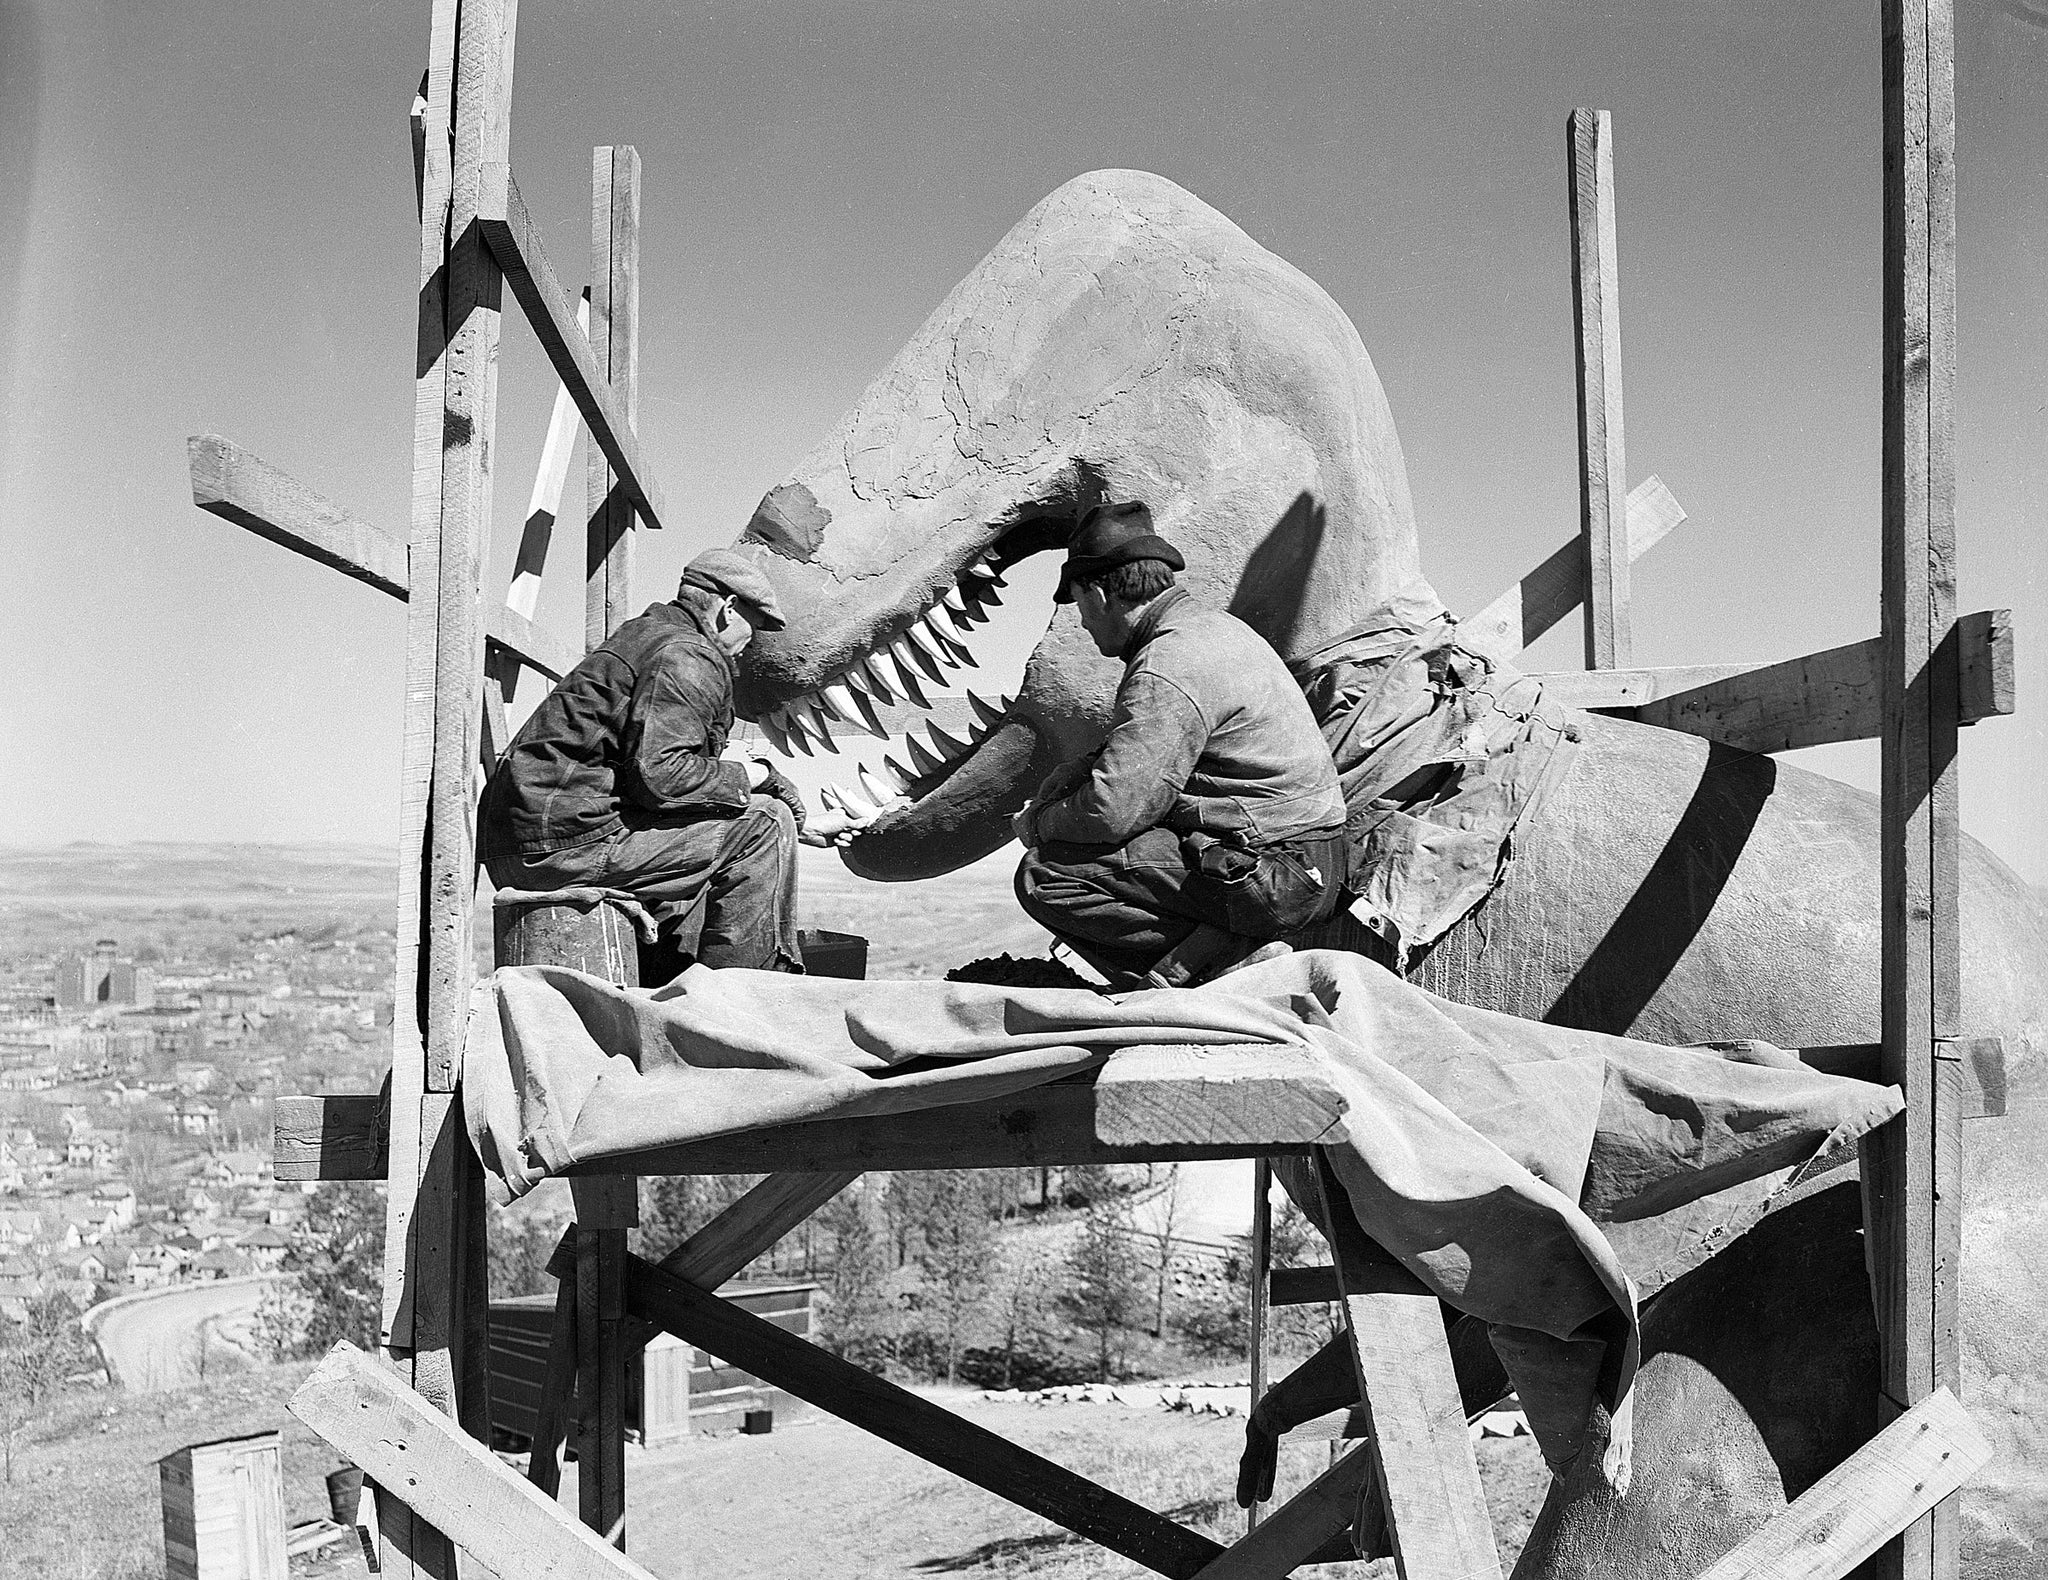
(1910, 1178)
(615, 337)
(434, 1315)
(1596, 313)
(1262, 1272)
(607, 1208)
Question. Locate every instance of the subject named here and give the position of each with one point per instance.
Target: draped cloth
(1480, 1149)
(1443, 753)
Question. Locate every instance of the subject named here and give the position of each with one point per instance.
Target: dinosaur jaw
(884, 659)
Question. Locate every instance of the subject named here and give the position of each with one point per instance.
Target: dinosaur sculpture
(1125, 340)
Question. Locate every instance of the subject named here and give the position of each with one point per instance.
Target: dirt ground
(822, 1500)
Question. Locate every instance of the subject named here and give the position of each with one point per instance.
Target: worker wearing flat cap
(1210, 822)
(623, 780)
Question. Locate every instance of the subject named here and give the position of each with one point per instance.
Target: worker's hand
(833, 828)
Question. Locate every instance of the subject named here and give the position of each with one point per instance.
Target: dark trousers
(723, 889)
(1131, 903)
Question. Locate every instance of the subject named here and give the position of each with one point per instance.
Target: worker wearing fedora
(1210, 822)
(622, 780)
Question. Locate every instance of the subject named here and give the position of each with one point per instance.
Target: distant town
(136, 1086)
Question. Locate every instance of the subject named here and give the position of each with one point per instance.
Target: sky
(208, 227)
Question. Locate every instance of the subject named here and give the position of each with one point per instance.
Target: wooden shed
(672, 1389)
(224, 1509)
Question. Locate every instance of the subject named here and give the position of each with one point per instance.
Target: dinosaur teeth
(771, 728)
(871, 678)
(983, 569)
(925, 761)
(953, 600)
(905, 676)
(879, 793)
(989, 713)
(944, 744)
(821, 724)
(902, 778)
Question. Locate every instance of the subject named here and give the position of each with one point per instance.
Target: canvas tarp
(1478, 1148)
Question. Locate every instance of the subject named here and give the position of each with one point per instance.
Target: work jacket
(630, 736)
(1210, 735)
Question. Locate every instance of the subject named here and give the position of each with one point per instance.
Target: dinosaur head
(1123, 341)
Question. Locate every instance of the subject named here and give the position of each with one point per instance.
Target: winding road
(152, 1341)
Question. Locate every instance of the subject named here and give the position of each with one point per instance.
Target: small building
(264, 1247)
(239, 1169)
(224, 1510)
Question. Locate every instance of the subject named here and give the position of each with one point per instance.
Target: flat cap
(1112, 535)
(729, 571)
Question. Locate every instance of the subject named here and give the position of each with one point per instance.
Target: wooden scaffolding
(417, 1420)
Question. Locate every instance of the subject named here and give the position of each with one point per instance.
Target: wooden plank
(1421, 1452)
(1555, 588)
(1596, 313)
(1145, 1105)
(605, 1210)
(1895, 1478)
(1295, 1533)
(1911, 1250)
(545, 504)
(1836, 695)
(1255, 1319)
(557, 1389)
(240, 487)
(342, 1137)
(420, 1457)
(516, 244)
(925, 1429)
(615, 345)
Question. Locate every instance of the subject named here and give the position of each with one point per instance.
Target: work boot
(1210, 952)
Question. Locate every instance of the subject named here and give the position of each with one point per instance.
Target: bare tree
(1168, 1203)
(1103, 1293)
(957, 1235)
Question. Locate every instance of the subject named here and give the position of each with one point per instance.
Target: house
(89, 1149)
(20, 1231)
(116, 1198)
(264, 1247)
(149, 1267)
(246, 1169)
(194, 1075)
(194, 1118)
(183, 1248)
(82, 1266)
(17, 1295)
(211, 1266)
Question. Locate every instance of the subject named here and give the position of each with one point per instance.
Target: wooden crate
(224, 1510)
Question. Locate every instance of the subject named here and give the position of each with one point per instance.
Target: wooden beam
(1895, 1478)
(615, 346)
(545, 503)
(1912, 1189)
(1555, 588)
(1596, 312)
(895, 1415)
(557, 1388)
(235, 485)
(1834, 695)
(1255, 1318)
(419, 1456)
(605, 1210)
(1295, 1533)
(342, 1138)
(516, 244)
(1421, 1452)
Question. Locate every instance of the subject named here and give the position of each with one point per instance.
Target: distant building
(86, 981)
